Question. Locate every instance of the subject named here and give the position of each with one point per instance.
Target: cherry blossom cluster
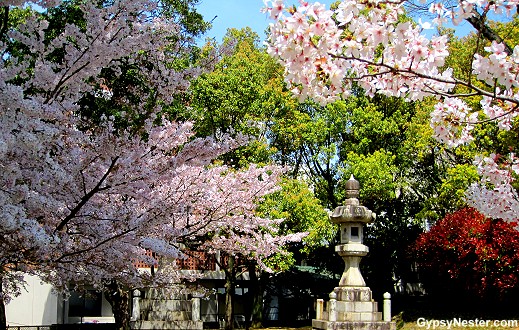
(495, 194)
(82, 203)
(123, 29)
(363, 42)
(325, 51)
(457, 113)
(467, 8)
(497, 66)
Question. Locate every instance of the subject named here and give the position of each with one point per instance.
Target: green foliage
(376, 172)
(453, 187)
(184, 12)
(302, 212)
(387, 144)
(307, 138)
(238, 97)
(227, 97)
(451, 193)
(281, 262)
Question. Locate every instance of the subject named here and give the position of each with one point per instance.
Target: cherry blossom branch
(88, 196)
(412, 73)
(324, 51)
(97, 245)
(492, 119)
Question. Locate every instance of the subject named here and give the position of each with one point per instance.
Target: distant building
(40, 305)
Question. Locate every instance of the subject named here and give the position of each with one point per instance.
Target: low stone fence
(42, 327)
(84, 326)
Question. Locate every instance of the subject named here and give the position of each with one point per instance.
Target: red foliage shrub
(465, 252)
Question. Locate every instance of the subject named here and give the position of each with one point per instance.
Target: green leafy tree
(236, 97)
(245, 95)
(302, 213)
(381, 152)
(387, 144)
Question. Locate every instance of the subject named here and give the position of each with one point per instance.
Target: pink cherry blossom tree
(325, 52)
(81, 204)
(238, 233)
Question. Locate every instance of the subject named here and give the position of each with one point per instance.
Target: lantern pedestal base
(350, 308)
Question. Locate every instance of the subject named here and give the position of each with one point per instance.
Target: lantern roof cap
(352, 188)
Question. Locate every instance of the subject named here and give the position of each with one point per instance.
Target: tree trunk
(256, 292)
(230, 278)
(119, 299)
(3, 318)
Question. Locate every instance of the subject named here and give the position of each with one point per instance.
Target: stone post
(319, 308)
(136, 308)
(195, 309)
(386, 315)
(332, 307)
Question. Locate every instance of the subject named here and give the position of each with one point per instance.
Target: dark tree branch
(90, 248)
(87, 197)
(5, 22)
(478, 22)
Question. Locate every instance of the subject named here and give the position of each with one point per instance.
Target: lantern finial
(352, 188)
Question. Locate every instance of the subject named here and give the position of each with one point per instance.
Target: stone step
(167, 316)
(359, 317)
(165, 305)
(171, 325)
(357, 306)
(357, 325)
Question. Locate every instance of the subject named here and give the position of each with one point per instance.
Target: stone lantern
(351, 305)
(351, 217)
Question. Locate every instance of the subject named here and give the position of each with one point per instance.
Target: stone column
(136, 307)
(332, 307)
(319, 308)
(386, 309)
(195, 309)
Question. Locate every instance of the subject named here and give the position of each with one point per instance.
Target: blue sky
(236, 14)
(242, 13)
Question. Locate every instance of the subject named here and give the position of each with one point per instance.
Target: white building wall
(37, 305)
